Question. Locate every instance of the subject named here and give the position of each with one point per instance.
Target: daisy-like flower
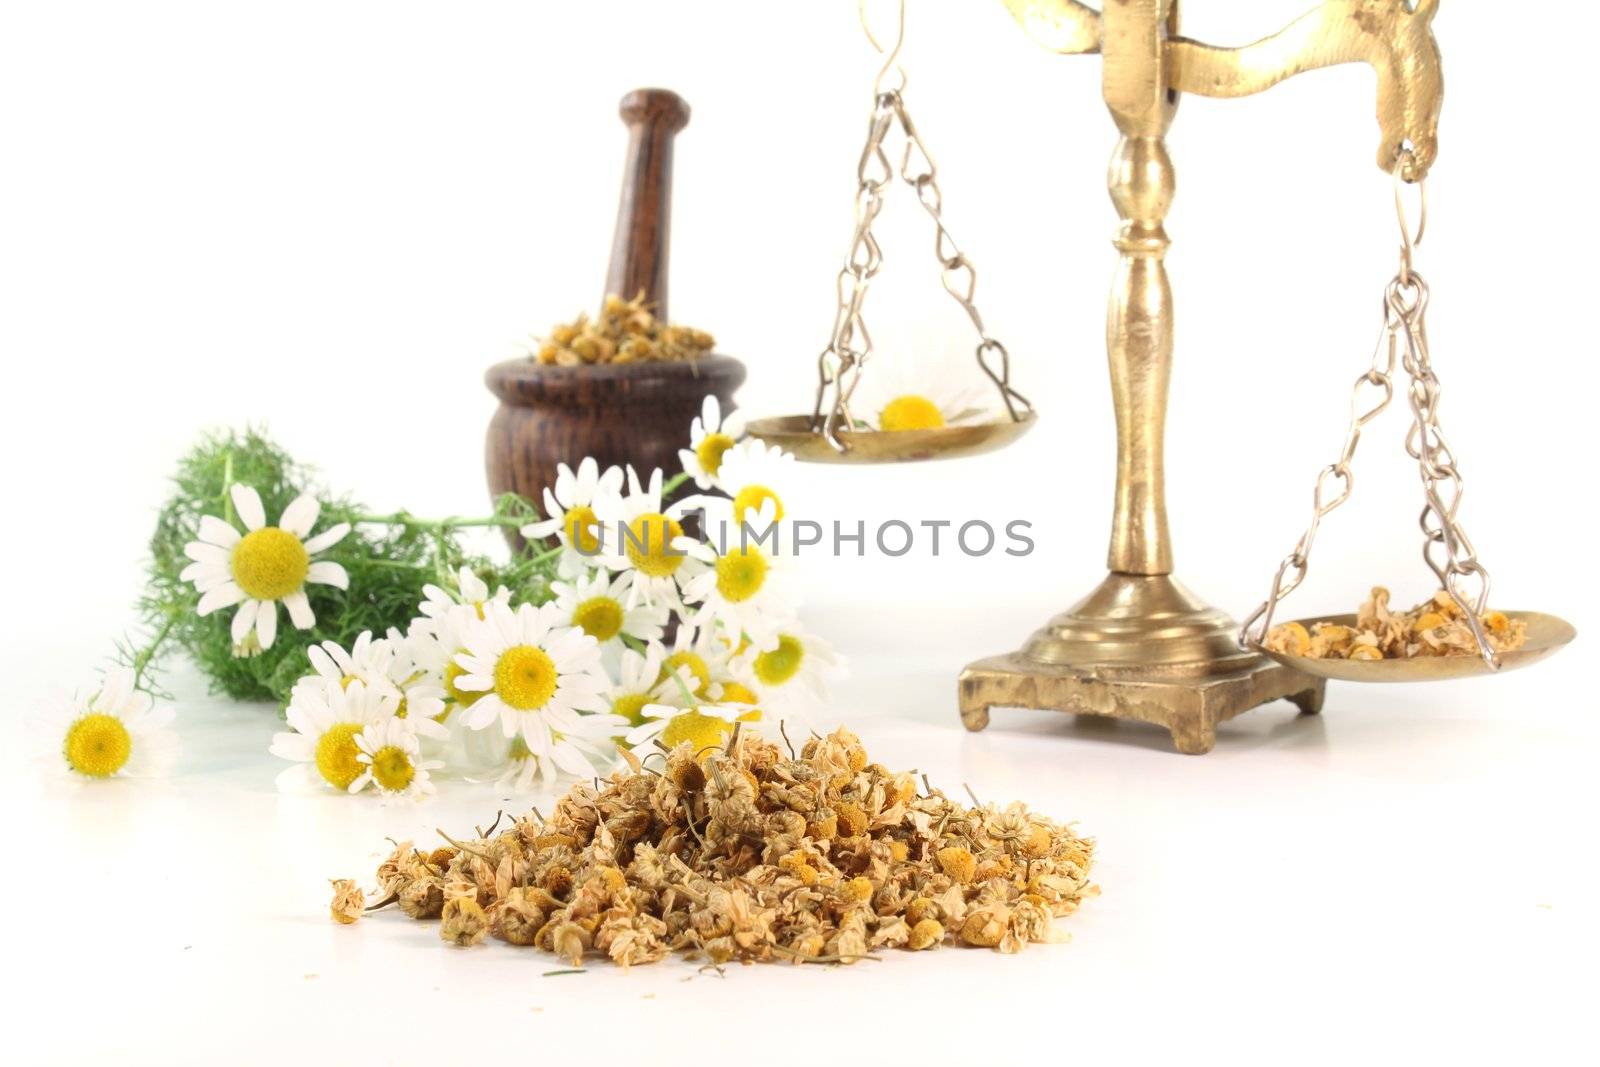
(749, 586)
(790, 674)
(575, 508)
(384, 663)
(897, 401)
(367, 661)
(470, 589)
(117, 730)
(388, 752)
(699, 658)
(264, 565)
(432, 645)
(750, 473)
(705, 725)
(324, 720)
(710, 436)
(640, 681)
(599, 607)
(538, 681)
(642, 539)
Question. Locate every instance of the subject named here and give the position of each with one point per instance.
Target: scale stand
(1141, 646)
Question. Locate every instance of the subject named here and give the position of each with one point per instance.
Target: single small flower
(325, 719)
(574, 506)
(118, 731)
(641, 680)
(539, 683)
(388, 752)
(699, 658)
(790, 672)
(263, 566)
(749, 586)
(642, 539)
(710, 437)
(750, 473)
(598, 606)
(384, 663)
(706, 725)
(470, 589)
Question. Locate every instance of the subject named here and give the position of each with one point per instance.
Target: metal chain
(1405, 306)
(849, 347)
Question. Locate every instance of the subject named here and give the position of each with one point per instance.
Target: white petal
(327, 538)
(247, 502)
(301, 515)
(216, 532)
(244, 619)
(570, 760)
(300, 612)
(324, 572)
(267, 623)
(219, 597)
(292, 746)
(201, 552)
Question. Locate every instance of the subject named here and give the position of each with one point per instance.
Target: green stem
(673, 483)
(229, 515)
(438, 526)
(141, 662)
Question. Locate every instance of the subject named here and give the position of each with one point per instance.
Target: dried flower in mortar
(738, 852)
(624, 332)
(1435, 627)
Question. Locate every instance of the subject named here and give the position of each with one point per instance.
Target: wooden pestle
(644, 217)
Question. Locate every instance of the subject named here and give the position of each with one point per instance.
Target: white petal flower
(638, 537)
(790, 674)
(388, 752)
(117, 731)
(895, 400)
(539, 683)
(750, 587)
(598, 605)
(574, 506)
(751, 473)
(710, 437)
(470, 589)
(263, 566)
(324, 719)
(665, 726)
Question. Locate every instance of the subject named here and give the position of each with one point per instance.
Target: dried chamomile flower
(738, 852)
(625, 332)
(1436, 627)
(348, 901)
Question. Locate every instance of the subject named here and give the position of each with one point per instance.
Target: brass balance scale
(1141, 646)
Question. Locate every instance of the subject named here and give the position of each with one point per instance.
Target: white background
(330, 217)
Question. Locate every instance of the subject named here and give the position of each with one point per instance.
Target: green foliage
(389, 559)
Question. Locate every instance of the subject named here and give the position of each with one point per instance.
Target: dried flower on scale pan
(739, 853)
(1435, 627)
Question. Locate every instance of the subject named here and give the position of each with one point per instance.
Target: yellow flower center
(452, 672)
(782, 663)
(697, 667)
(631, 707)
(600, 617)
(392, 769)
(734, 693)
(582, 526)
(750, 499)
(649, 543)
(525, 677)
(910, 413)
(710, 449)
(97, 745)
(703, 731)
(337, 754)
(270, 563)
(741, 574)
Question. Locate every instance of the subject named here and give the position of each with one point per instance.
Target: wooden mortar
(620, 413)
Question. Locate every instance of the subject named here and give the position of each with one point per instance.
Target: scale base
(1138, 647)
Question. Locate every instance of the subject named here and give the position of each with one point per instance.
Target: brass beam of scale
(1141, 646)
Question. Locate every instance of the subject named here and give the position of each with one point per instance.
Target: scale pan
(793, 433)
(1546, 634)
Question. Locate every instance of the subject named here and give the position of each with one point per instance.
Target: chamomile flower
(641, 539)
(710, 437)
(324, 720)
(750, 473)
(790, 673)
(640, 680)
(897, 401)
(367, 661)
(598, 606)
(383, 663)
(537, 682)
(389, 754)
(117, 730)
(575, 508)
(705, 725)
(699, 658)
(470, 589)
(264, 565)
(432, 644)
(750, 586)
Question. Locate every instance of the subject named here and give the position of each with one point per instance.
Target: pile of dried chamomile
(740, 854)
(624, 332)
(1435, 627)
